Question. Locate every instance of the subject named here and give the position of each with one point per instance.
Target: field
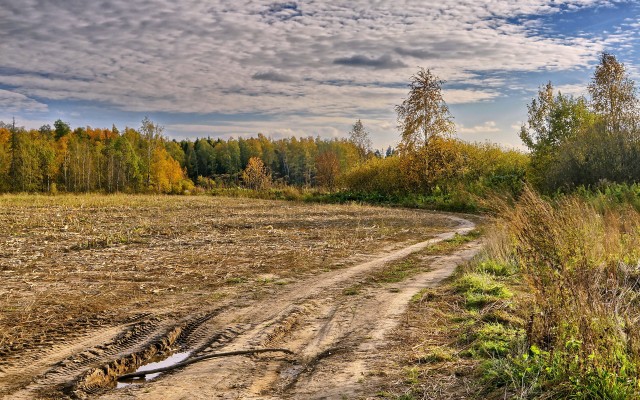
(72, 266)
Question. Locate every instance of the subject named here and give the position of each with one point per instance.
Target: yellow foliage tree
(428, 166)
(166, 174)
(255, 176)
(327, 169)
(376, 175)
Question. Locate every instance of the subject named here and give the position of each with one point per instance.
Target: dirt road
(333, 322)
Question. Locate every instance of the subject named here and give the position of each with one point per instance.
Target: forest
(84, 159)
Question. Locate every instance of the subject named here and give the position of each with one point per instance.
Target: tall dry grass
(582, 267)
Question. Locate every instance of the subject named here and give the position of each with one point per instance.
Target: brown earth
(95, 289)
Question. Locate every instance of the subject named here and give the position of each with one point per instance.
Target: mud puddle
(156, 363)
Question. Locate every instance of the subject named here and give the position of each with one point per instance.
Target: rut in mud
(333, 332)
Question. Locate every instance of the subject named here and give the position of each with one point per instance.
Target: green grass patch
(455, 242)
(351, 290)
(397, 272)
(481, 289)
(496, 268)
(494, 339)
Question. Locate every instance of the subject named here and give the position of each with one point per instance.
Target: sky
(222, 68)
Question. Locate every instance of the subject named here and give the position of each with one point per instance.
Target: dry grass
(71, 262)
(425, 359)
(582, 269)
(438, 349)
(559, 285)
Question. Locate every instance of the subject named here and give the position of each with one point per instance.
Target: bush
(496, 268)
(449, 175)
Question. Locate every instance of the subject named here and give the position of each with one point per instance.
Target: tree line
(431, 163)
(574, 142)
(85, 159)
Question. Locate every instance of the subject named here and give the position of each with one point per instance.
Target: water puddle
(291, 373)
(154, 364)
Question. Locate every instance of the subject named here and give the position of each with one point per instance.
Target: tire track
(311, 317)
(314, 319)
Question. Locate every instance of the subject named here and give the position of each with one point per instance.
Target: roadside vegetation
(577, 251)
(549, 310)
(580, 265)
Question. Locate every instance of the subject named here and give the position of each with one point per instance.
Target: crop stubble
(72, 263)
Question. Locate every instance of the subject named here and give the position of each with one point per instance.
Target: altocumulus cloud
(272, 76)
(382, 62)
(267, 57)
(13, 102)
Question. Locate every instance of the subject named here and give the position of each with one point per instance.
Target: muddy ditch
(106, 376)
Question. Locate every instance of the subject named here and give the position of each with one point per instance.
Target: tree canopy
(423, 114)
(575, 141)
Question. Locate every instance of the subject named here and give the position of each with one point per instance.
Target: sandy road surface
(334, 337)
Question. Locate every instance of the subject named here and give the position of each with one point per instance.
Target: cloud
(158, 55)
(575, 90)
(272, 76)
(382, 62)
(282, 11)
(277, 128)
(465, 96)
(12, 102)
(418, 53)
(487, 127)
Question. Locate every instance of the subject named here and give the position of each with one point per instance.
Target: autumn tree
(268, 155)
(128, 163)
(424, 113)
(360, 138)
(176, 152)
(152, 133)
(327, 169)
(613, 95)
(5, 158)
(25, 171)
(255, 176)
(82, 167)
(425, 126)
(251, 147)
(47, 159)
(166, 174)
(574, 142)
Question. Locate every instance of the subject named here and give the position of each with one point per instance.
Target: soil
(334, 332)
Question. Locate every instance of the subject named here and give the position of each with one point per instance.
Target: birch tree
(424, 113)
(613, 95)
